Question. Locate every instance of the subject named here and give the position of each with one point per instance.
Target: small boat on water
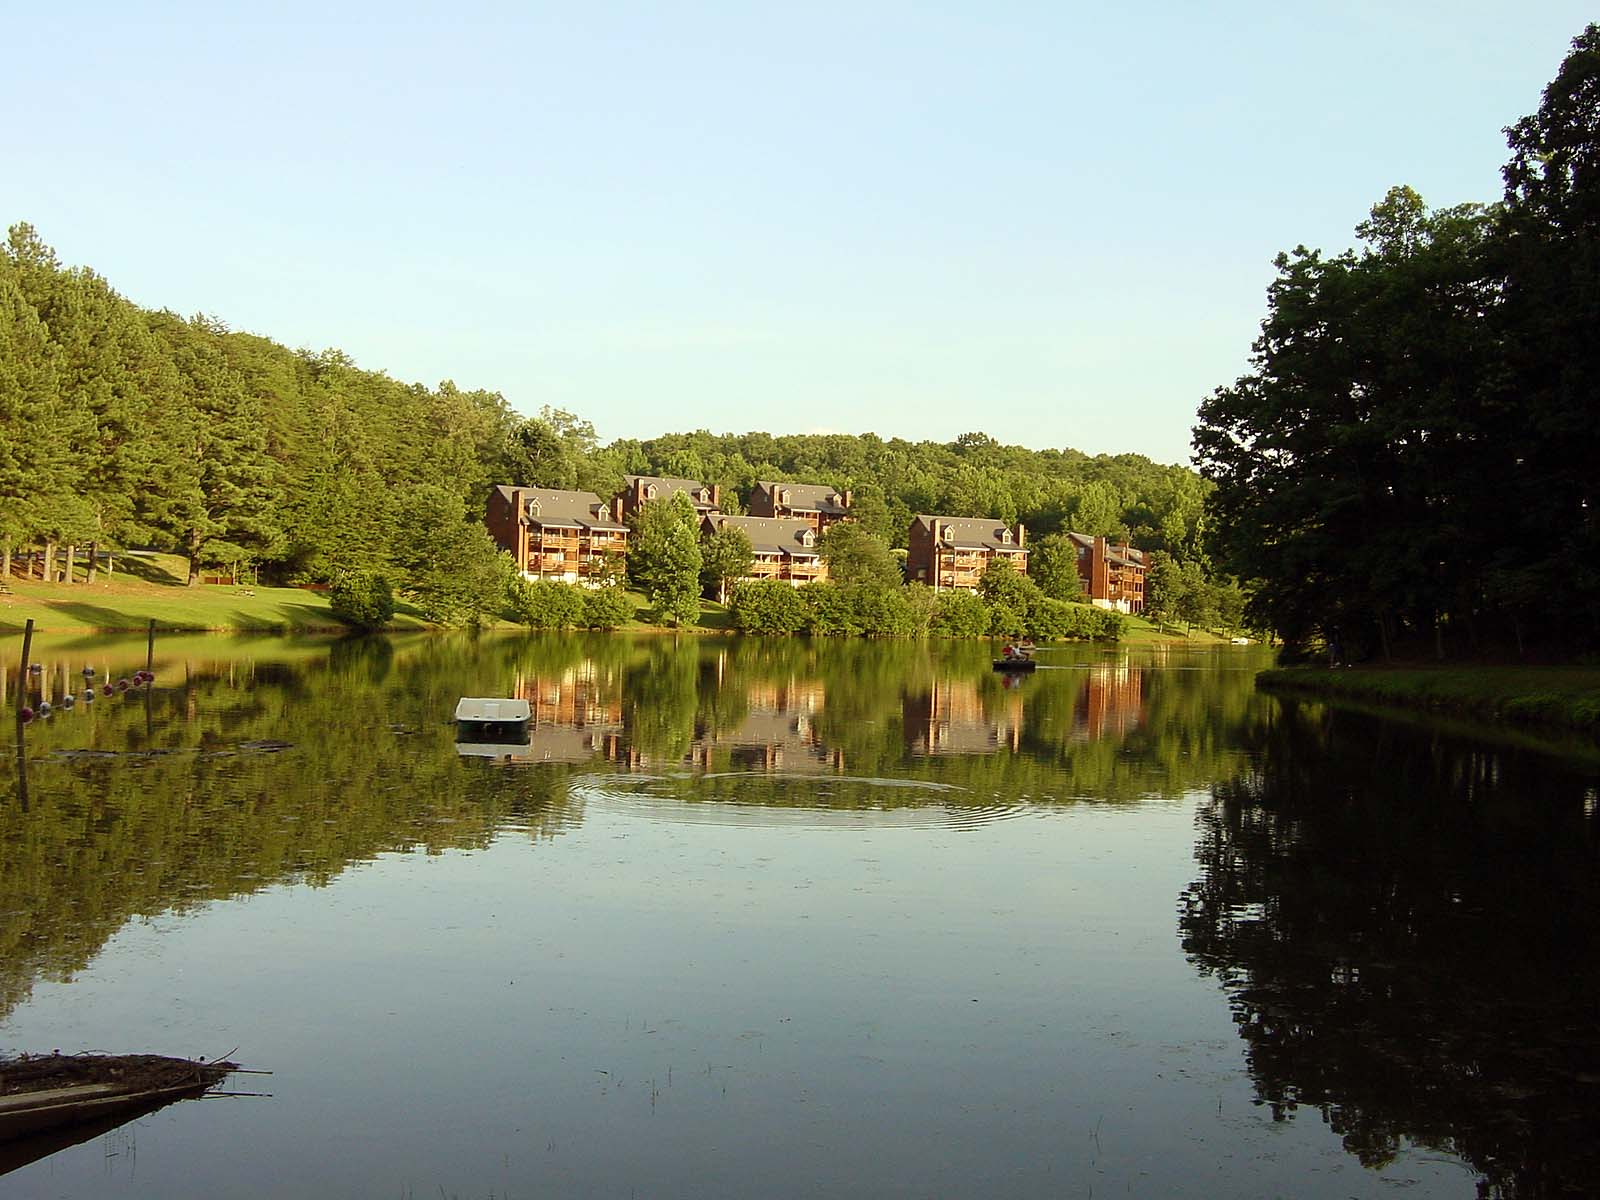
(490, 727)
(47, 1099)
(1017, 656)
(1014, 664)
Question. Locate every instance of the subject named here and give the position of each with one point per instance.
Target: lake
(783, 918)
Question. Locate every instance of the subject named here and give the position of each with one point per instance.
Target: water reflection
(251, 762)
(1407, 927)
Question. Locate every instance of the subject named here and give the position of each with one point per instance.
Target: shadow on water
(1407, 927)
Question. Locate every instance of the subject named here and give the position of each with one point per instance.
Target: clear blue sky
(1053, 222)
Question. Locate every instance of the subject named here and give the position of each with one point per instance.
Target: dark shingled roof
(772, 535)
(972, 533)
(667, 486)
(583, 510)
(806, 497)
(1114, 551)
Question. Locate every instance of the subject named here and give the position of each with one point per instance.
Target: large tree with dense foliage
(1338, 459)
(664, 558)
(726, 555)
(1410, 460)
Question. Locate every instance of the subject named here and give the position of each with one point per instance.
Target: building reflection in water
(577, 716)
(1112, 705)
(778, 733)
(958, 716)
(775, 723)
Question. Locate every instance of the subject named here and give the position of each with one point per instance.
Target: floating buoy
(44, 708)
(25, 714)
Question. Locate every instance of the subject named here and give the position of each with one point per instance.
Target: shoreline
(1566, 698)
(128, 607)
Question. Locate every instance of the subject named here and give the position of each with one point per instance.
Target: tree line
(122, 427)
(1410, 464)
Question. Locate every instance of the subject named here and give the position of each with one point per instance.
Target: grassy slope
(1564, 696)
(153, 587)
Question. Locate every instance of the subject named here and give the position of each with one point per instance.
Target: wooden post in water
(150, 646)
(22, 675)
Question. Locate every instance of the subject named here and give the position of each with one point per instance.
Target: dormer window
(949, 534)
(649, 491)
(533, 508)
(838, 500)
(807, 538)
(1005, 536)
(783, 496)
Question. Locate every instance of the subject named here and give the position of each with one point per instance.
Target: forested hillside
(121, 426)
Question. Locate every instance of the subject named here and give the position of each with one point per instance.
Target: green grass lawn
(152, 588)
(1564, 696)
(1137, 631)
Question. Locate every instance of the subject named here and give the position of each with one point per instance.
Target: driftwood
(53, 1100)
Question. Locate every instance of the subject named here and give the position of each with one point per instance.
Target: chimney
(1022, 534)
(716, 494)
(616, 508)
(847, 498)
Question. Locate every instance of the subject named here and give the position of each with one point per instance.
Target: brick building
(785, 548)
(817, 503)
(951, 552)
(570, 537)
(640, 489)
(1112, 575)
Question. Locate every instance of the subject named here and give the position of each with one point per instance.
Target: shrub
(830, 610)
(362, 599)
(1005, 620)
(766, 606)
(884, 611)
(607, 608)
(959, 615)
(546, 604)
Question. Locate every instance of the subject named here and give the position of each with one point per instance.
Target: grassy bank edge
(1564, 697)
(128, 606)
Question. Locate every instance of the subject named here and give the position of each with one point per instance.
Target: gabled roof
(971, 533)
(667, 485)
(1116, 554)
(772, 535)
(807, 497)
(548, 506)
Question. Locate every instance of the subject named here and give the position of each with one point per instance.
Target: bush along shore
(1563, 697)
(361, 602)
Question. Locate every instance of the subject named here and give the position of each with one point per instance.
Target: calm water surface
(789, 918)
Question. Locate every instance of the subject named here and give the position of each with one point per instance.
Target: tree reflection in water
(160, 801)
(1406, 927)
